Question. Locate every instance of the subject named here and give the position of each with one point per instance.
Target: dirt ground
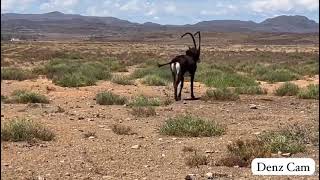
(111, 156)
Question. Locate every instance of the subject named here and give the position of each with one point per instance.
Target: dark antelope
(184, 63)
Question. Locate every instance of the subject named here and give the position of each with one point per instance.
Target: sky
(169, 11)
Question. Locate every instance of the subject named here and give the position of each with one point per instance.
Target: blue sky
(170, 11)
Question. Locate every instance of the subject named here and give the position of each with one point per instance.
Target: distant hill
(58, 24)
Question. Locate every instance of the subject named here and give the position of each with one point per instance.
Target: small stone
(107, 177)
(91, 137)
(286, 154)
(174, 138)
(163, 155)
(209, 151)
(209, 175)
(253, 106)
(80, 118)
(67, 174)
(257, 133)
(101, 126)
(91, 106)
(90, 119)
(135, 146)
(160, 139)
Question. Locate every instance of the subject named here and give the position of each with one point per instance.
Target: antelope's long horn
(199, 40)
(194, 42)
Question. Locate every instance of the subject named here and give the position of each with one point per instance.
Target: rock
(135, 146)
(286, 154)
(209, 175)
(90, 119)
(160, 139)
(91, 106)
(80, 118)
(209, 151)
(107, 177)
(257, 133)
(91, 137)
(253, 106)
(190, 177)
(101, 126)
(67, 174)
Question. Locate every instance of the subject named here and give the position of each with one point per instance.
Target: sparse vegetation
(311, 92)
(250, 90)
(291, 139)
(89, 134)
(143, 111)
(24, 96)
(274, 75)
(191, 127)
(123, 80)
(121, 129)
(16, 74)
(75, 73)
(153, 80)
(108, 98)
(241, 153)
(196, 160)
(188, 149)
(25, 130)
(142, 100)
(220, 95)
(287, 89)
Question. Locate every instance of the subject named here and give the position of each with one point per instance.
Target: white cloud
(59, 5)
(271, 6)
(132, 5)
(12, 5)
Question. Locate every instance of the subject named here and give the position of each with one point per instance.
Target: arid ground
(73, 112)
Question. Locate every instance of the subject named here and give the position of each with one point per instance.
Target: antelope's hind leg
(192, 80)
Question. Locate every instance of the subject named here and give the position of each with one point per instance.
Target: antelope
(184, 63)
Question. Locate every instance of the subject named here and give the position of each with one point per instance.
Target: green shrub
(75, 73)
(23, 96)
(275, 75)
(24, 130)
(287, 89)
(143, 111)
(16, 74)
(191, 127)
(250, 90)
(220, 95)
(311, 92)
(142, 100)
(122, 80)
(121, 129)
(153, 80)
(108, 98)
(220, 79)
(241, 153)
(196, 160)
(160, 73)
(292, 139)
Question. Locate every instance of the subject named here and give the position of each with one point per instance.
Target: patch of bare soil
(112, 156)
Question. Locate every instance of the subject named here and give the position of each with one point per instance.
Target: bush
(74, 73)
(191, 127)
(24, 130)
(160, 73)
(275, 75)
(153, 80)
(16, 74)
(311, 92)
(121, 129)
(220, 79)
(287, 89)
(196, 160)
(221, 95)
(241, 153)
(292, 139)
(108, 98)
(250, 90)
(143, 111)
(142, 100)
(122, 80)
(24, 97)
